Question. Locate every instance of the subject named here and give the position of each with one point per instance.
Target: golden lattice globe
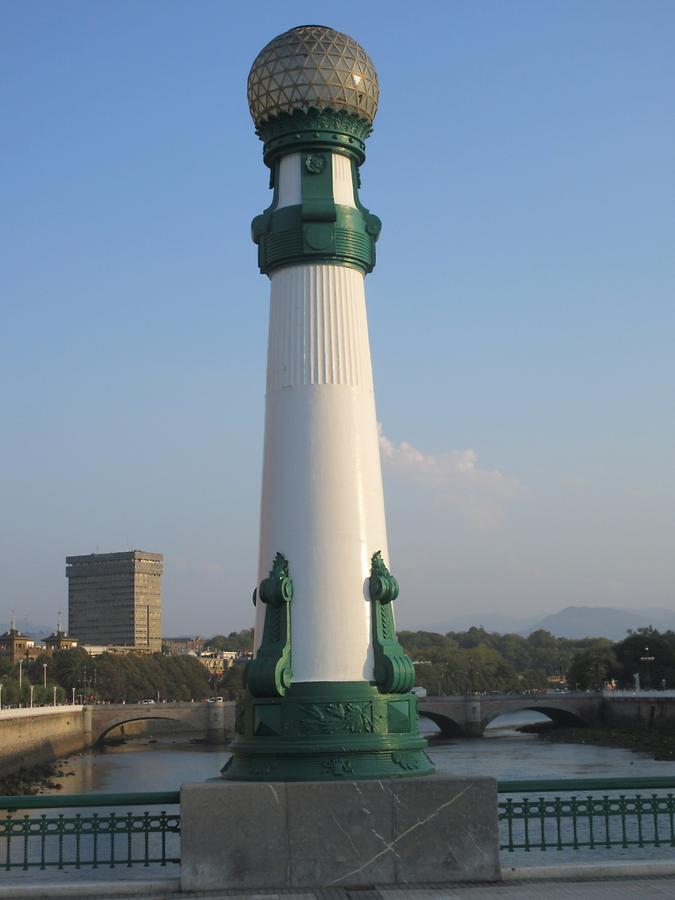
(312, 67)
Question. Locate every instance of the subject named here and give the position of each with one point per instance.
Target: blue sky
(521, 312)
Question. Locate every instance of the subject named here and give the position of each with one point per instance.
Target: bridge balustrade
(590, 815)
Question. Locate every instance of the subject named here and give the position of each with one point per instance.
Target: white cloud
(480, 494)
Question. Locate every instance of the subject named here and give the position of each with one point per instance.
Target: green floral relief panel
(337, 718)
(325, 730)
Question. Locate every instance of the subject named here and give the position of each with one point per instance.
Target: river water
(164, 764)
(148, 765)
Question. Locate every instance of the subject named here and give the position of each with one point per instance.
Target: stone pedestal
(249, 835)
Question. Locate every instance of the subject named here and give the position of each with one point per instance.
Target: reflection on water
(141, 766)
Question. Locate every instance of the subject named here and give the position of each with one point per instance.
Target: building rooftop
(114, 557)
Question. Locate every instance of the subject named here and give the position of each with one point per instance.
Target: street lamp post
(329, 689)
(647, 660)
(44, 675)
(31, 695)
(20, 679)
(54, 689)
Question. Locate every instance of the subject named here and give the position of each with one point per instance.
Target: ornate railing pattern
(577, 817)
(593, 814)
(79, 839)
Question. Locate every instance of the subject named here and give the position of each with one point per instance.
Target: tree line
(113, 678)
(476, 661)
(453, 663)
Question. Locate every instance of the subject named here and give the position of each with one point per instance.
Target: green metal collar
(314, 130)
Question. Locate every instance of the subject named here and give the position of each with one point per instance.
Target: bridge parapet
(215, 721)
(470, 715)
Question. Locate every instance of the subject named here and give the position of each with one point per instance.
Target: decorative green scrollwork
(337, 718)
(394, 672)
(269, 674)
(321, 731)
(314, 130)
(337, 767)
(407, 761)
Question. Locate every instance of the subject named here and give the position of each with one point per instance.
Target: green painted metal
(323, 731)
(314, 130)
(79, 840)
(57, 801)
(318, 229)
(394, 671)
(544, 785)
(570, 821)
(270, 674)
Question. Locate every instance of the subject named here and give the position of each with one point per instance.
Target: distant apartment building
(115, 599)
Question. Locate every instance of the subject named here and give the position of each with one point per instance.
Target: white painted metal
(290, 193)
(290, 188)
(343, 186)
(322, 503)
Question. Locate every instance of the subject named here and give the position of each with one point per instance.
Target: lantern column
(328, 693)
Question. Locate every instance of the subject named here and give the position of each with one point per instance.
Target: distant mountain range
(571, 622)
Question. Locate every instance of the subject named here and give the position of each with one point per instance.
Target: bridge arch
(449, 727)
(197, 716)
(105, 729)
(558, 715)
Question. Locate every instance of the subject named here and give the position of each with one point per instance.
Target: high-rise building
(115, 599)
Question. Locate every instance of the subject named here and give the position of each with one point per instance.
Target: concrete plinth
(247, 835)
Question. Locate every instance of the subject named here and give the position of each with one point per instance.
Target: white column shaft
(322, 503)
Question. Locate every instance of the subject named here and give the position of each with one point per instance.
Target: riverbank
(660, 745)
(37, 779)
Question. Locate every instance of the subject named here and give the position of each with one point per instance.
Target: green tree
(593, 667)
(649, 654)
(235, 640)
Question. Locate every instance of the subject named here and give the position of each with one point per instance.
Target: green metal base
(323, 731)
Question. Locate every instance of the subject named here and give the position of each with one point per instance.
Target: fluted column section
(322, 504)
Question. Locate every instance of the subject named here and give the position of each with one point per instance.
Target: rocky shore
(34, 779)
(660, 745)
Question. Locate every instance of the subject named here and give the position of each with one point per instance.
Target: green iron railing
(574, 818)
(544, 815)
(90, 839)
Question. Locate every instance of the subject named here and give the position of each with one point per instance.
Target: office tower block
(115, 599)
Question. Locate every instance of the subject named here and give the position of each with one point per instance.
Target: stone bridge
(44, 733)
(469, 716)
(214, 721)
(460, 716)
